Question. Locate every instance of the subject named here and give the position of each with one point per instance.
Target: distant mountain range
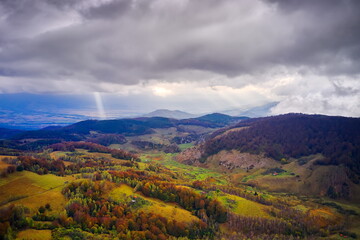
(32, 111)
(175, 114)
(258, 111)
(130, 127)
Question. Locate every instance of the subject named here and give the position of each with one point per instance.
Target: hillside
(319, 150)
(220, 119)
(213, 120)
(8, 133)
(295, 135)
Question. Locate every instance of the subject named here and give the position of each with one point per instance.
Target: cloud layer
(304, 54)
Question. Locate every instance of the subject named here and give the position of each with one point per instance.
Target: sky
(127, 56)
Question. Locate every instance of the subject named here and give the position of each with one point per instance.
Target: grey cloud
(346, 88)
(318, 104)
(320, 95)
(327, 34)
(127, 42)
(110, 10)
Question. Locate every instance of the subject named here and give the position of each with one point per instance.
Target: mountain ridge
(175, 114)
(253, 112)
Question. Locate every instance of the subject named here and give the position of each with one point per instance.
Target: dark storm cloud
(327, 34)
(129, 41)
(67, 45)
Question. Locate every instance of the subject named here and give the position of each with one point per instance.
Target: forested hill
(294, 135)
(127, 127)
(8, 133)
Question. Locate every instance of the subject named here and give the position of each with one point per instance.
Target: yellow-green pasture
(33, 190)
(188, 172)
(242, 206)
(32, 234)
(168, 210)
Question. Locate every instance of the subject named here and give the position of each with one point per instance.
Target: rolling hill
(117, 131)
(8, 133)
(129, 127)
(312, 149)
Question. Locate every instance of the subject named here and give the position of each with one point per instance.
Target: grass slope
(33, 190)
(125, 193)
(242, 206)
(31, 234)
(187, 171)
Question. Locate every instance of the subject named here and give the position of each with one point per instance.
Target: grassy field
(32, 234)
(54, 197)
(324, 216)
(121, 193)
(253, 175)
(17, 189)
(242, 206)
(168, 210)
(57, 154)
(185, 146)
(48, 181)
(354, 220)
(33, 190)
(189, 172)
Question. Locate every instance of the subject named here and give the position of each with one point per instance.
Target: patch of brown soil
(235, 159)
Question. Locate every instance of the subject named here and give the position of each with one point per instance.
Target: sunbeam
(99, 105)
